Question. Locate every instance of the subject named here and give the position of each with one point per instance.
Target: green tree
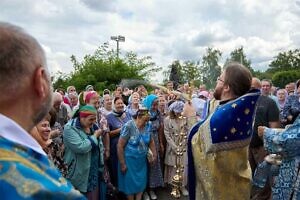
(239, 56)
(180, 73)
(280, 79)
(210, 68)
(102, 69)
(285, 61)
(174, 73)
(191, 71)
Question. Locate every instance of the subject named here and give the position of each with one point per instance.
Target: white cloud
(166, 30)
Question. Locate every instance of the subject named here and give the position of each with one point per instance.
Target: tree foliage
(239, 56)
(104, 70)
(281, 78)
(175, 73)
(210, 68)
(180, 73)
(285, 61)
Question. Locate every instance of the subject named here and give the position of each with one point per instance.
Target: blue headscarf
(177, 107)
(148, 101)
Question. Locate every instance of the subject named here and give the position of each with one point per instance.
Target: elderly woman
(134, 102)
(133, 146)
(74, 104)
(291, 108)
(107, 105)
(41, 133)
(155, 171)
(84, 152)
(116, 120)
(281, 95)
(49, 139)
(174, 125)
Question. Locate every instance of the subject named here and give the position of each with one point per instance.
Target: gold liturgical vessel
(181, 141)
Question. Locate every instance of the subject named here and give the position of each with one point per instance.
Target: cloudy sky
(164, 29)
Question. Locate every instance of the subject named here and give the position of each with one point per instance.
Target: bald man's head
(20, 55)
(24, 77)
(255, 84)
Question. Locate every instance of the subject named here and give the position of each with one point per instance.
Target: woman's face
(94, 101)
(281, 95)
(88, 121)
(107, 102)
(145, 117)
(119, 105)
(162, 101)
(119, 90)
(73, 100)
(155, 105)
(135, 98)
(44, 129)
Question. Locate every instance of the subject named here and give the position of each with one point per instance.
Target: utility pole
(118, 39)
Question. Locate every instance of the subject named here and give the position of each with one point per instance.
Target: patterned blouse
(291, 107)
(287, 144)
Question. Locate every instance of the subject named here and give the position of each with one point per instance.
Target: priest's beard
(218, 93)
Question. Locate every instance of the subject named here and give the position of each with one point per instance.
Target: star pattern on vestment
(241, 133)
(232, 130)
(246, 111)
(214, 129)
(233, 105)
(238, 119)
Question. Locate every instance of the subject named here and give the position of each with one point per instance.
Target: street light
(118, 39)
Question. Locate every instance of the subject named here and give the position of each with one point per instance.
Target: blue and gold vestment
(26, 174)
(218, 150)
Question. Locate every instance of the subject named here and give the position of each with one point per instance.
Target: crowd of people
(239, 141)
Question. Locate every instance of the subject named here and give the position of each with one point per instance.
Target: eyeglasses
(219, 79)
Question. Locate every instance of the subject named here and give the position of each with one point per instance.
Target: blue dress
(114, 123)
(135, 153)
(155, 171)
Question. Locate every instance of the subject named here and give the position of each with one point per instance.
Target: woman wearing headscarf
(84, 152)
(106, 109)
(155, 172)
(291, 108)
(115, 120)
(134, 102)
(134, 143)
(92, 98)
(174, 126)
(281, 95)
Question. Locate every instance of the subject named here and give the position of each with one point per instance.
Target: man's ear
(40, 82)
(226, 88)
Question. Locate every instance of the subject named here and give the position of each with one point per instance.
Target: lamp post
(118, 39)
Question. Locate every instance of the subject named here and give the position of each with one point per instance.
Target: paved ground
(164, 194)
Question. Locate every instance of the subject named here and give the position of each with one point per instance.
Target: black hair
(117, 98)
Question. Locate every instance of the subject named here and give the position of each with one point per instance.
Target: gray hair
(20, 55)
